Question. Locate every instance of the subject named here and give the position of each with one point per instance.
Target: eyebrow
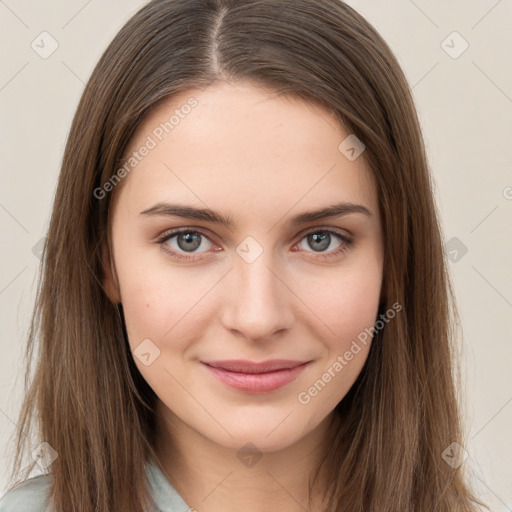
(206, 214)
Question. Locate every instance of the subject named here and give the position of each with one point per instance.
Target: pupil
(192, 241)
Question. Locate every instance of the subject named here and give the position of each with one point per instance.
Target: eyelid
(344, 233)
(347, 235)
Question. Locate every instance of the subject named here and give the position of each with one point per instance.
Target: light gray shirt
(32, 494)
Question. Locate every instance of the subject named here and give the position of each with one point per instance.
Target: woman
(244, 298)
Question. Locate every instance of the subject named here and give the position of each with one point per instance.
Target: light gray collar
(165, 495)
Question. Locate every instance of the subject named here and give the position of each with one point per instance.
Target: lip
(244, 366)
(256, 377)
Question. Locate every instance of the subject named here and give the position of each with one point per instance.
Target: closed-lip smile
(244, 366)
(256, 377)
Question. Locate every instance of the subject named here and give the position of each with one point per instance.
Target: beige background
(465, 105)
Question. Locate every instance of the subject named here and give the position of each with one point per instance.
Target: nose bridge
(260, 302)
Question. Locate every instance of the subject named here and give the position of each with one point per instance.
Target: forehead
(243, 147)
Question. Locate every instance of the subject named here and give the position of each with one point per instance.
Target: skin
(261, 159)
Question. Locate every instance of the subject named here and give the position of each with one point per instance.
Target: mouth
(243, 366)
(256, 377)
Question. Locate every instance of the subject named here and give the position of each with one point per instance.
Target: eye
(321, 239)
(187, 241)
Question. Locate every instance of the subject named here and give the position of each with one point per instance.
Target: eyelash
(344, 247)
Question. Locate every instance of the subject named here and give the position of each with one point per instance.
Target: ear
(110, 282)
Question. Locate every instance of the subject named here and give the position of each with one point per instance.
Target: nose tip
(259, 306)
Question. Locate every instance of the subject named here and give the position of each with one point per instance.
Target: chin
(265, 435)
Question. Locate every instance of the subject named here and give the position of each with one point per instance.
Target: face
(269, 283)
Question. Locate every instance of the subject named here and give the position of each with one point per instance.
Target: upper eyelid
(166, 235)
(313, 229)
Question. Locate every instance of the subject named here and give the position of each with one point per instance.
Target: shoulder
(30, 495)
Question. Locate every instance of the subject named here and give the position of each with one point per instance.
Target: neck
(215, 478)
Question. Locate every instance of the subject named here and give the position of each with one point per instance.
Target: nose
(260, 304)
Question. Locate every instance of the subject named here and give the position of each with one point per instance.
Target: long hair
(86, 397)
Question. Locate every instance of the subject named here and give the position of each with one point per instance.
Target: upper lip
(243, 366)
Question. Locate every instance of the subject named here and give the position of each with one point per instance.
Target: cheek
(156, 301)
(345, 310)
(345, 302)
(161, 311)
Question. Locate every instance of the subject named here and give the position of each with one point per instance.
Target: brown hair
(88, 399)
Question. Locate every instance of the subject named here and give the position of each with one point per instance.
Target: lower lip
(257, 382)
